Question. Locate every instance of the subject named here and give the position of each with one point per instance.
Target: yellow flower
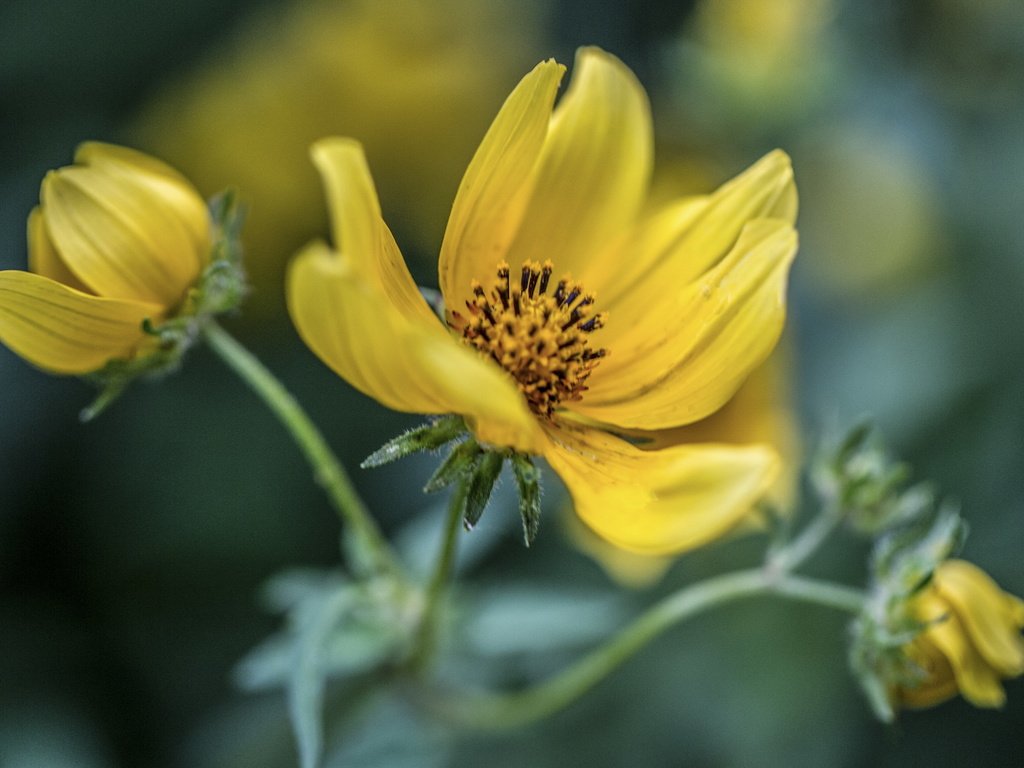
(972, 639)
(117, 239)
(661, 320)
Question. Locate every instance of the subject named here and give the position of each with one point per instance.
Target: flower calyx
(471, 469)
(859, 478)
(885, 637)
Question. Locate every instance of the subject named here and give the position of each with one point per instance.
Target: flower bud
(956, 633)
(118, 238)
(971, 639)
(123, 256)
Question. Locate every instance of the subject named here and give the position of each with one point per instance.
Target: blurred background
(133, 549)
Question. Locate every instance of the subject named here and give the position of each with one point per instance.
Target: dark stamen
(534, 276)
(545, 275)
(559, 294)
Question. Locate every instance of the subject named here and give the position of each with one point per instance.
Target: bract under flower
(547, 222)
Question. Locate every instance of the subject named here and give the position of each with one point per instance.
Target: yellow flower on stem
(971, 641)
(570, 314)
(119, 238)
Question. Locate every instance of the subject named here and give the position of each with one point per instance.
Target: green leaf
(539, 618)
(528, 481)
(336, 628)
(481, 485)
(306, 687)
(459, 464)
(427, 437)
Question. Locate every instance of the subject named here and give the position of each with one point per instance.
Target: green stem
(426, 639)
(500, 711)
(369, 550)
(795, 554)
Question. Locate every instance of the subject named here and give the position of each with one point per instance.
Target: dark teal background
(132, 549)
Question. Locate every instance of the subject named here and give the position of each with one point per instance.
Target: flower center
(540, 338)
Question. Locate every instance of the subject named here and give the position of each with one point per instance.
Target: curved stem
(794, 554)
(427, 637)
(824, 593)
(499, 711)
(368, 550)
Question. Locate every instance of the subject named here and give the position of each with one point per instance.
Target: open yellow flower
(972, 639)
(117, 239)
(569, 314)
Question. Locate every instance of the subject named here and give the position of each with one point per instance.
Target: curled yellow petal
(353, 326)
(985, 612)
(43, 258)
(496, 187)
(63, 330)
(684, 239)
(165, 186)
(978, 682)
(684, 354)
(359, 231)
(117, 237)
(759, 412)
(939, 683)
(658, 502)
(593, 171)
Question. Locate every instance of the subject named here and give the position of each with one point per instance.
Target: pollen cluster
(539, 337)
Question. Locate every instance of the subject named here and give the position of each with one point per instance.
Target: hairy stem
(426, 639)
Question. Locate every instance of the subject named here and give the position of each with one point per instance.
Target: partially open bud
(120, 247)
(971, 639)
(934, 627)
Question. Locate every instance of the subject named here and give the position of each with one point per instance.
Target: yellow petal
(496, 186)
(939, 683)
(117, 236)
(984, 612)
(759, 412)
(175, 192)
(63, 330)
(658, 502)
(43, 258)
(692, 351)
(686, 238)
(593, 172)
(978, 682)
(359, 231)
(352, 325)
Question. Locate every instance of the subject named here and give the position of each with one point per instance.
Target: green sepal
(480, 486)
(528, 481)
(460, 464)
(427, 437)
(867, 486)
(905, 560)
